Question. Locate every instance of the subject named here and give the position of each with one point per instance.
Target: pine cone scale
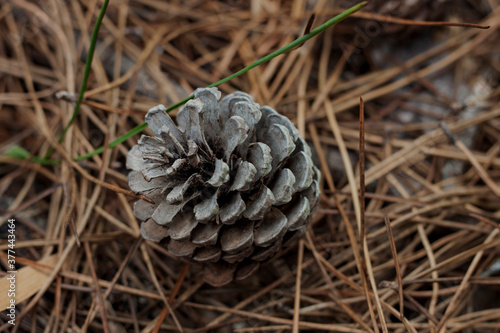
(260, 157)
(283, 186)
(181, 249)
(208, 254)
(182, 226)
(245, 176)
(271, 228)
(206, 234)
(237, 237)
(233, 210)
(164, 214)
(259, 206)
(264, 253)
(153, 231)
(161, 124)
(298, 214)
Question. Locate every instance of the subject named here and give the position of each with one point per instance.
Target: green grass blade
(88, 67)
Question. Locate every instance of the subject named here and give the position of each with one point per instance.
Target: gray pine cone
(231, 183)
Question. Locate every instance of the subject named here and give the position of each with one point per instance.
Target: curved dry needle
(308, 27)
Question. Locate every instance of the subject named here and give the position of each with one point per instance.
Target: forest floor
(417, 249)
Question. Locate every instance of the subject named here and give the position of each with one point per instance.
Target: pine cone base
(232, 182)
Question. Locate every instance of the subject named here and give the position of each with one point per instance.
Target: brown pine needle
(397, 20)
(296, 306)
(309, 24)
(99, 297)
(171, 298)
(362, 184)
(397, 267)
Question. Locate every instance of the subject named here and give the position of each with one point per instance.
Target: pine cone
(231, 182)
